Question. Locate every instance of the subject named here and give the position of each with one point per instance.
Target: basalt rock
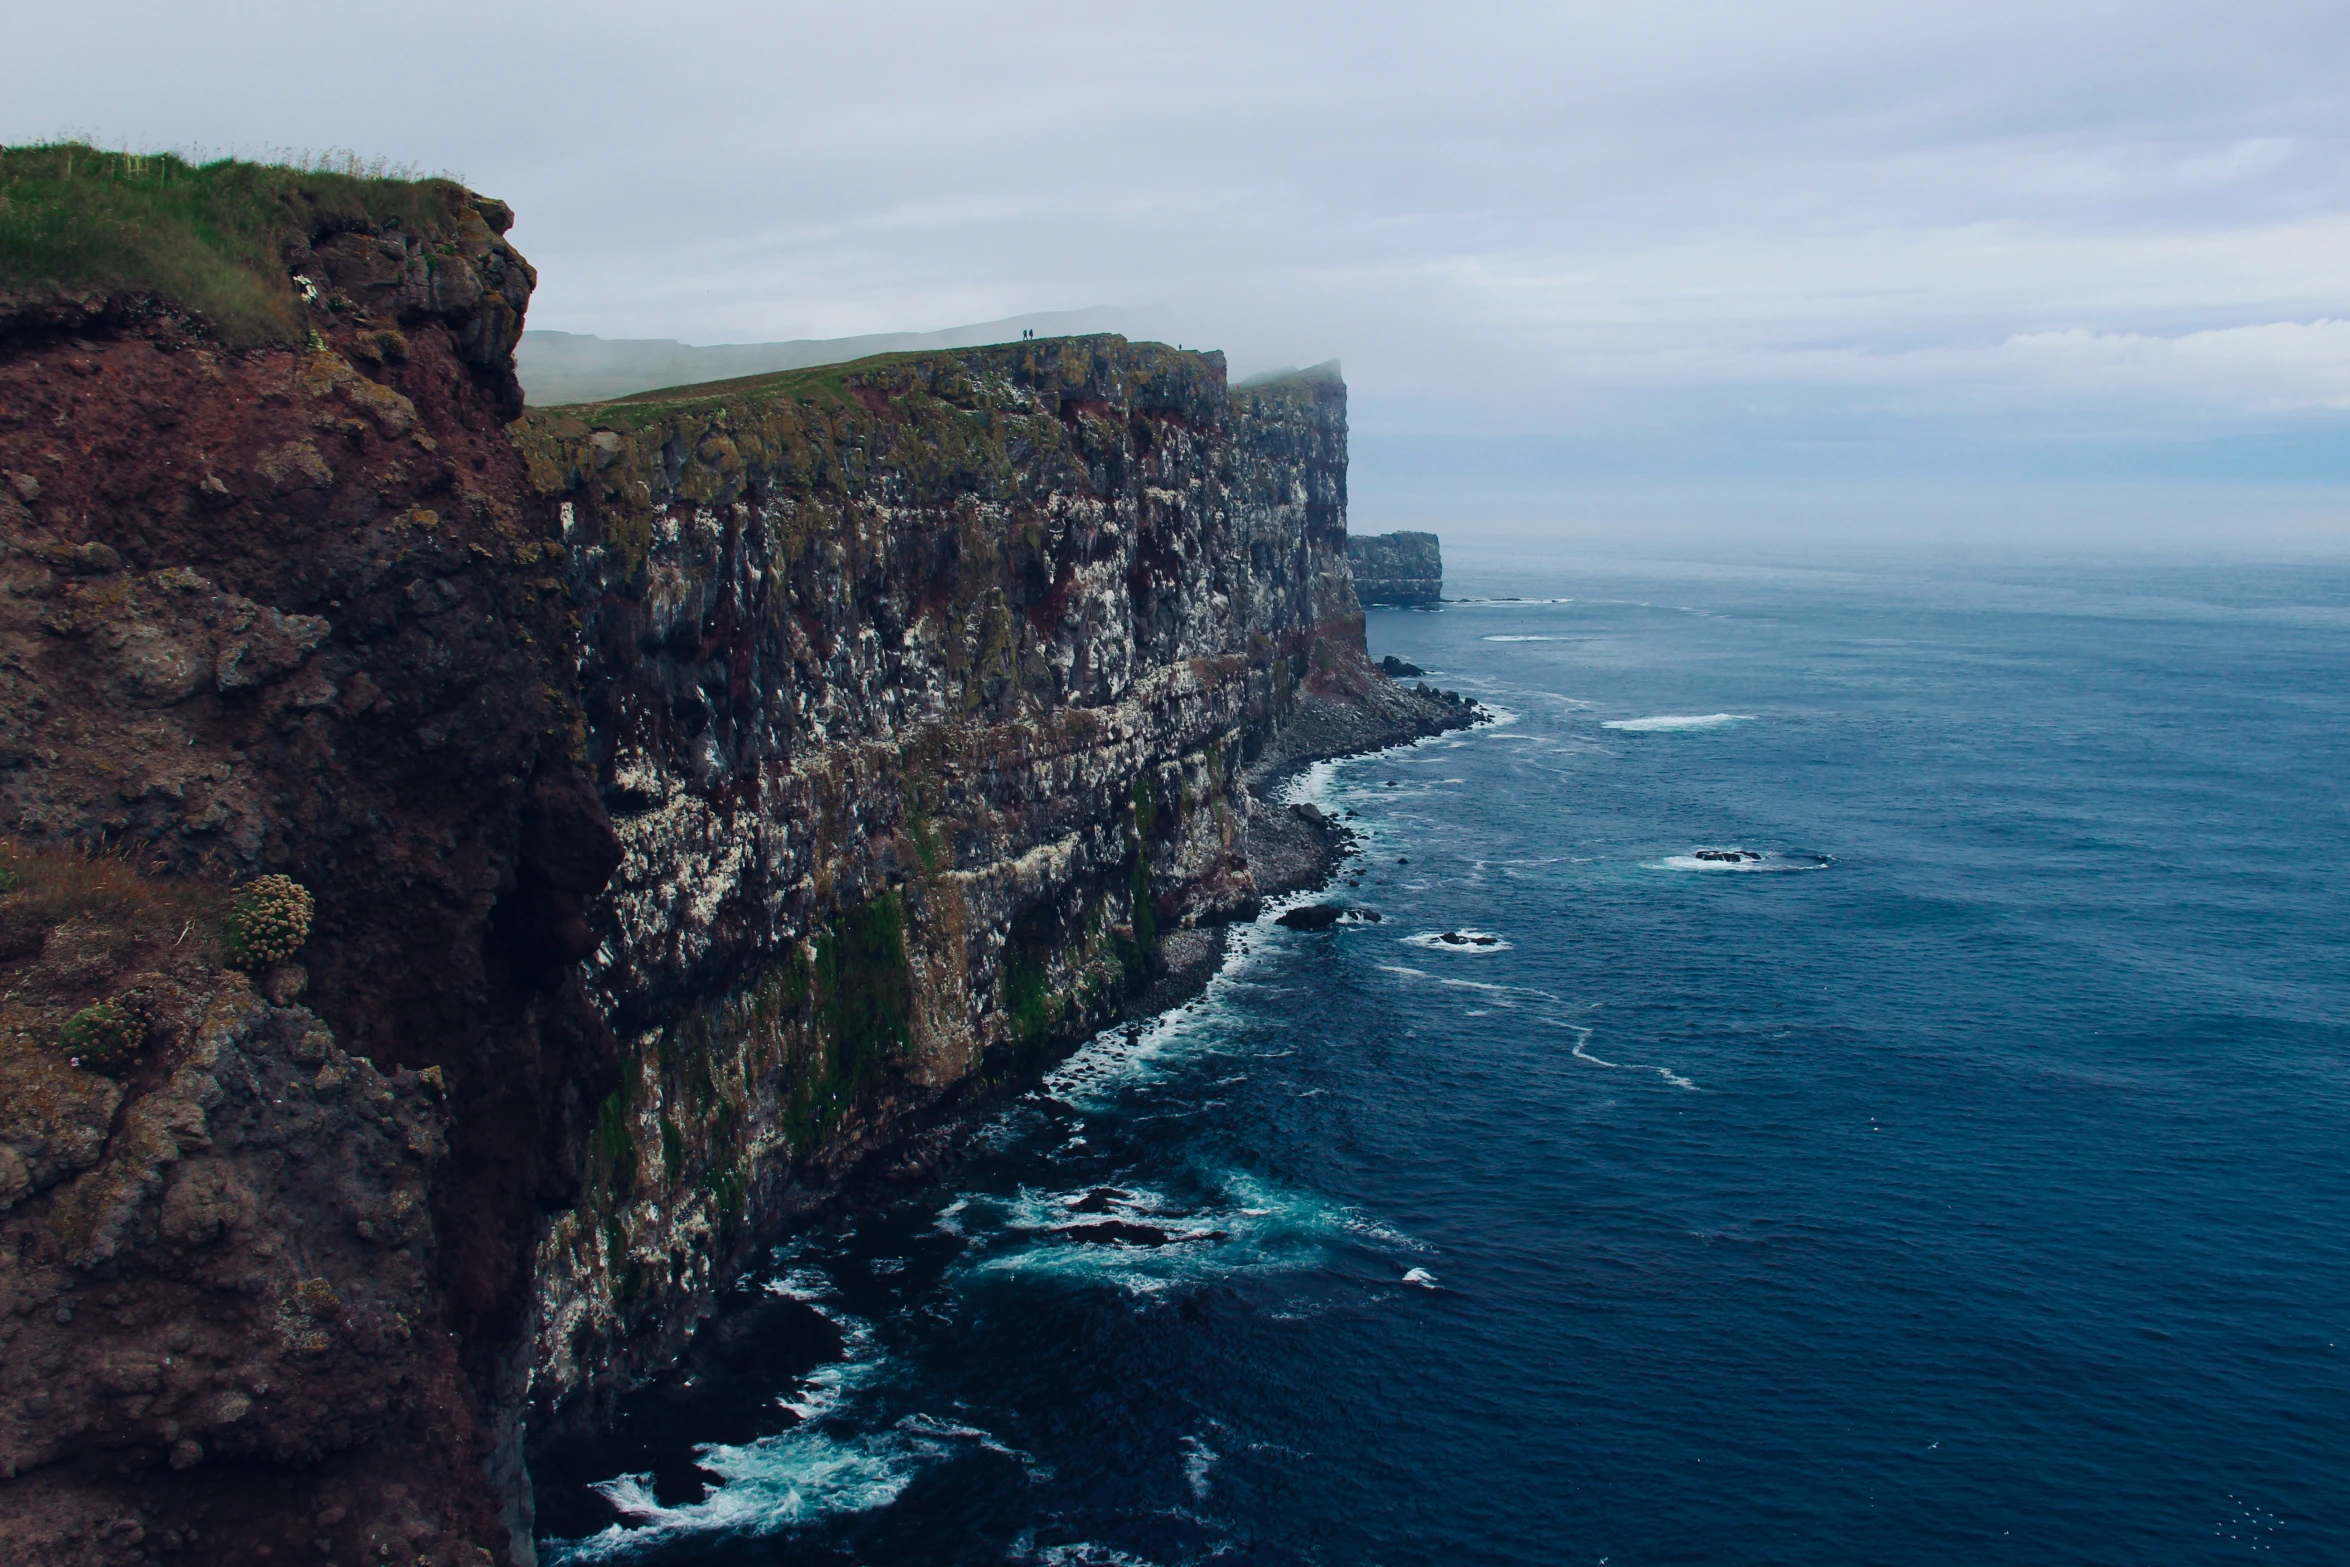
(934, 700)
(287, 608)
(699, 793)
(1404, 569)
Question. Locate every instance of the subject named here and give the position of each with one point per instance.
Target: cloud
(1496, 214)
(2276, 367)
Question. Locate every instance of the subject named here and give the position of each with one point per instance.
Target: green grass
(868, 991)
(206, 236)
(829, 382)
(1286, 380)
(786, 383)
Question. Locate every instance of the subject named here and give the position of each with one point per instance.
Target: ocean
(1853, 1065)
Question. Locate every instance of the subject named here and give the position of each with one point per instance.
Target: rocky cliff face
(924, 695)
(697, 793)
(1397, 568)
(285, 609)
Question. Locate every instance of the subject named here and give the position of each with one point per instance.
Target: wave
(1144, 1240)
(1583, 1038)
(1748, 860)
(1667, 723)
(1465, 941)
(1134, 1055)
(1084, 1553)
(1199, 1461)
(799, 1476)
(1523, 639)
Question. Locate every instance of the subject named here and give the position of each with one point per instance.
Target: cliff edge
(1405, 569)
(275, 597)
(698, 792)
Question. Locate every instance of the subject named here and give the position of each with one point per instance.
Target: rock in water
(1397, 568)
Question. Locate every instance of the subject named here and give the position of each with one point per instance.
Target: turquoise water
(1963, 1180)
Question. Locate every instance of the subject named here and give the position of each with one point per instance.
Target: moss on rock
(268, 922)
(210, 237)
(105, 1038)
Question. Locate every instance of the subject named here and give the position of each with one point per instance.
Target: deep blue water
(1966, 1181)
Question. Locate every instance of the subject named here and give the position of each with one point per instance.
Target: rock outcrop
(925, 695)
(287, 607)
(698, 792)
(1404, 569)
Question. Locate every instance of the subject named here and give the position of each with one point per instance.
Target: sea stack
(1397, 568)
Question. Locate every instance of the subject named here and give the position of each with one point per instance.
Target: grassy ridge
(830, 383)
(781, 383)
(207, 236)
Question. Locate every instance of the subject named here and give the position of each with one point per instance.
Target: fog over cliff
(1668, 263)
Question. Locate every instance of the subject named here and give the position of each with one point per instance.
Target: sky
(1970, 270)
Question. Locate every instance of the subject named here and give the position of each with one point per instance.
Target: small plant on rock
(105, 1038)
(268, 922)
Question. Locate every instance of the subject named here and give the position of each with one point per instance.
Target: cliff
(275, 595)
(1397, 568)
(699, 792)
(925, 695)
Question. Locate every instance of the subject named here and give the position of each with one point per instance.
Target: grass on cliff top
(787, 383)
(206, 236)
(820, 381)
(1284, 380)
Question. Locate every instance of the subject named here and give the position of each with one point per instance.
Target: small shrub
(268, 922)
(382, 347)
(105, 1038)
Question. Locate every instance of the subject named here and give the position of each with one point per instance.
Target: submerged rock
(1125, 1232)
(1321, 916)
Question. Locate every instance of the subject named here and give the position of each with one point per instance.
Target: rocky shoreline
(747, 1345)
(699, 795)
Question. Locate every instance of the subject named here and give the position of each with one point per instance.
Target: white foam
(1198, 1460)
(813, 1471)
(936, 1433)
(1665, 723)
(1083, 1554)
(1125, 1057)
(1521, 639)
(1421, 1277)
(1583, 1038)
(1770, 862)
(1244, 1226)
(1433, 941)
(792, 1478)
